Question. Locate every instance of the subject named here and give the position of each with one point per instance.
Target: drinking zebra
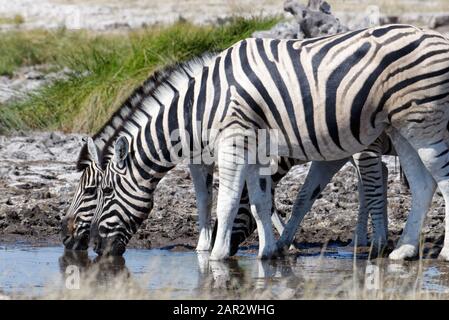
(326, 98)
(76, 222)
(98, 150)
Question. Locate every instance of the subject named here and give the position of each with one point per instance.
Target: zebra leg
(318, 177)
(279, 225)
(284, 166)
(260, 198)
(202, 177)
(360, 238)
(422, 187)
(232, 175)
(372, 189)
(385, 196)
(244, 223)
(435, 157)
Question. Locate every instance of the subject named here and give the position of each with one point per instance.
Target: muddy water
(49, 272)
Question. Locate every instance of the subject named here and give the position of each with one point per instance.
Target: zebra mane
(110, 128)
(152, 88)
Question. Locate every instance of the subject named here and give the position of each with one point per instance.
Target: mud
(38, 178)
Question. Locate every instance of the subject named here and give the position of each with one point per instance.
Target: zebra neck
(166, 127)
(169, 134)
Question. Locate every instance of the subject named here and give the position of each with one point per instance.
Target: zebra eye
(107, 191)
(91, 191)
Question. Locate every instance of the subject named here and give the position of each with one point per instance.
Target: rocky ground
(38, 178)
(26, 80)
(107, 15)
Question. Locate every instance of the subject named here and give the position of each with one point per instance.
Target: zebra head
(76, 223)
(124, 200)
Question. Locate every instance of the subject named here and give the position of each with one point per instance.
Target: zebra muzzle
(70, 239)
(76, 243)
(112, 246)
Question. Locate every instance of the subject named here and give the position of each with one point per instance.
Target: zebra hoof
(282, 249)
(219, 254)
(202, 247)
(403, 252)
(267, 253)
(444, 254)
(358, 242)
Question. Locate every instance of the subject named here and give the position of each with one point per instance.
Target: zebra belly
(322, 145)
(300, 153)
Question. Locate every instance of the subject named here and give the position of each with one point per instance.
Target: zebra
(410, 106)
(97, 150)
(237, 231)
(291, 87)
(75, 225)
(372, 175)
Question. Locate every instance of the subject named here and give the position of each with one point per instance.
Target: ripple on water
(27, 271)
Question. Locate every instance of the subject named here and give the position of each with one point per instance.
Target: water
(41, 272)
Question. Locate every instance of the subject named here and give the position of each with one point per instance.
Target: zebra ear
(92, 150)
(121, 150)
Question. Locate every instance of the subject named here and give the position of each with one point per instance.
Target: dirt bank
(38, 177)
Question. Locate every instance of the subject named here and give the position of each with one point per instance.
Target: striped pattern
(328, 98)
(76, 222)
(373, 176)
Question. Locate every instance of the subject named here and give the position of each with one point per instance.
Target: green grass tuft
(107, 67)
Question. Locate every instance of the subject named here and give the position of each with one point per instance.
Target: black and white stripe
(76, 222)
(372, 174)
(327, 98)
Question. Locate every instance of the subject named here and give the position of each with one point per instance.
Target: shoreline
(38, 178)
